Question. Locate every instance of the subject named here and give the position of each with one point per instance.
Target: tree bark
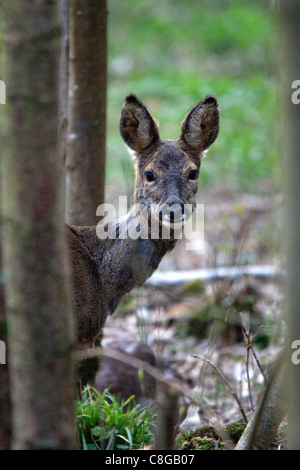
(63, 80)
(290, 70)
(264, 422)
(5, 403)
(85, 162)
(167, 399)
(37, 291)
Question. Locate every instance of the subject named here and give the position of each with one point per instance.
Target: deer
(167, 171)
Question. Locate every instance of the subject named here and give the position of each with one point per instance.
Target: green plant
(204, 438)
(106, 423)
(235, 431)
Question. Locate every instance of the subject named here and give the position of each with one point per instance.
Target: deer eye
(193, 175)
(149, 176)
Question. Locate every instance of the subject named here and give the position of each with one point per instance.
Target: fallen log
(174, 278)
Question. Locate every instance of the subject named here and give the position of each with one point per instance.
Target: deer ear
(200, 127)
(138, 129)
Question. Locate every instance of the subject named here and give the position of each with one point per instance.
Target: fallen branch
(176, 384)
(173, 278)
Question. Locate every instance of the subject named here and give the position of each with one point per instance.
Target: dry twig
(233, 393)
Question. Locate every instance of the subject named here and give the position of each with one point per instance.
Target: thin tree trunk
(63, 79)
(5, 403)
(270, 411)
(35, 254)
(85, 163)
(64, 6)
(290, 67)
(167, 416)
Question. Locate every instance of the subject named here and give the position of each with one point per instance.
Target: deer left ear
(138, 128)
(200, 127)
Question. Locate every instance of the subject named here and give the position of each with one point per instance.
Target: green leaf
(96, 431)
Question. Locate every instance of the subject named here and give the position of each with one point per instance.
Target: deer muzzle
(174, 214)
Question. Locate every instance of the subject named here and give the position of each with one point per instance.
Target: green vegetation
(207, 438)
(106, 423)
(235, 431)
(204, 438)
(173, 53)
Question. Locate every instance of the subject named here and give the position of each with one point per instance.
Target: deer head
(167, 170)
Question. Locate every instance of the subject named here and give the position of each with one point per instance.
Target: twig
(233, 393)
(250, 345)
(249, 348)
(248, 377)
(89, 392)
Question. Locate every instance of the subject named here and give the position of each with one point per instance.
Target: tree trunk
(85, 163)
(5, 403)
(270, 411)
(290, 68)
(63, 80)
(35, 254)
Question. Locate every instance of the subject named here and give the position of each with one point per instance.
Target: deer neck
(123, 254)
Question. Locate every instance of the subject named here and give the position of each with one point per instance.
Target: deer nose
(176, 210)
(172, 212)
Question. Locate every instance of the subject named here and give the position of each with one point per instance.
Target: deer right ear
(138, 129)
(201, 126)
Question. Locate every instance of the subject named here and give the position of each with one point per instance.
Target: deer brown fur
(104, 270)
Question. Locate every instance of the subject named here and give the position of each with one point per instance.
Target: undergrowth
(107, 423)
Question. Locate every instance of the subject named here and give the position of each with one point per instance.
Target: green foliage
(202, 443)
(173, 53)
(262, 340)
(195, 286)
(204, 438)
(104, 422)
(207, 438)
(235, 431)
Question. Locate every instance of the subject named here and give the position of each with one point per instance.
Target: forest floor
(237, 324)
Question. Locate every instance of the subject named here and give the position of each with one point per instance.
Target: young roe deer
(104, 270)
